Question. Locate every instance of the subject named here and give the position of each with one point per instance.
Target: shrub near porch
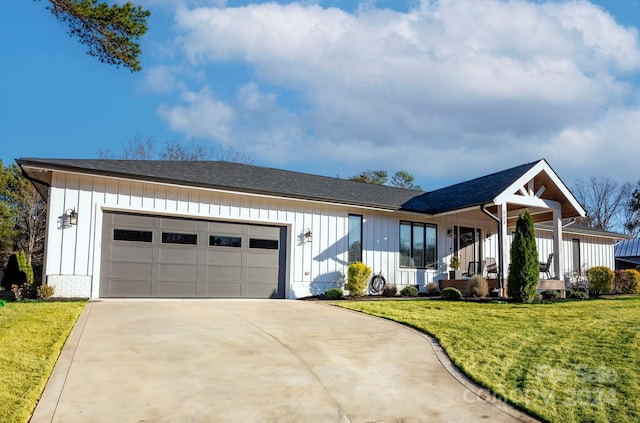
(563, 362)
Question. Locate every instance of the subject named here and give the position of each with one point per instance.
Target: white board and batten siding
(73, 262)
(594, 251)
(72, 258)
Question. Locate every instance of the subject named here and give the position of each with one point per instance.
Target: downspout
(570, 222)
(500, 252)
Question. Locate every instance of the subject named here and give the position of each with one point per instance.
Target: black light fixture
(72, 216)
(308, 236)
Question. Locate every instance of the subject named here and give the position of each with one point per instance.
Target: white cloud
(461, 86)
(163, 79)
(201, 115)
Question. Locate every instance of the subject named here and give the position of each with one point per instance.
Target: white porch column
(503, 260)
(558, 256)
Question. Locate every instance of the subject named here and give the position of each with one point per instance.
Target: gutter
(500, 248)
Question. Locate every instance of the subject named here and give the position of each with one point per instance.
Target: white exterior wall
(594, 251)
(73, 254)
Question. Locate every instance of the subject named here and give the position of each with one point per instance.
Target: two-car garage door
(152, 256)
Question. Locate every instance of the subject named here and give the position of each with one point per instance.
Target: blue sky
(446, 90)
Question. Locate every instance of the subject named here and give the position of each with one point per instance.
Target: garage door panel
(264, 231)
(263, 275)
(131, 253)
(224, 289)
(183, 224)
(221, 258)
(179, 255)
(177, 271)
(130, 288)
(177, 289)
(130, 270)
(262, 260)
(261, 290)
(132, 220)
(225, 228)
(155, 256)
(224, 273)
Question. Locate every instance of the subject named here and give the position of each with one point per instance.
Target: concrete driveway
(253, 361)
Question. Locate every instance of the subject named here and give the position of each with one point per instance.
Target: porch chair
(491, 266)
(546, 267)
(472, 269)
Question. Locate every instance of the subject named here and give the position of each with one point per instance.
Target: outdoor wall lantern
(72, 216)
(308, 236)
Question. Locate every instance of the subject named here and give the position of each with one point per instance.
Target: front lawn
(573, 361)
(31, 337)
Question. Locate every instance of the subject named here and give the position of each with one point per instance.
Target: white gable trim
(509, 195)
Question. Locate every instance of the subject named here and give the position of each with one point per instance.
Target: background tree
(604, 200)
(148, 149)
(524, 267)
(375, 177)
(30, 214)
(400, 179)
(23, 217)
(632, 213)
(109, 32)
(7, 221)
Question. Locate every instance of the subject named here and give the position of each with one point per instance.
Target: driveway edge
(46, 407)
(480, 393)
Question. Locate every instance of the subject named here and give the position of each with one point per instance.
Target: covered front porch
(480, 234)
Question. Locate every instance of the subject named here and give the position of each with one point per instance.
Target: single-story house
(120, 228)
(627, 254)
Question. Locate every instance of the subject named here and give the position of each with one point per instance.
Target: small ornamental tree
(358, 279)
(13, 275)
(24, 266)
(524, 267)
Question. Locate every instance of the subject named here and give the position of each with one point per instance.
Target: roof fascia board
(457, 211)
(583, 232)
(541, 166)
(248, 193)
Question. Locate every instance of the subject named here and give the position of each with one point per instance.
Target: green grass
(31, 337)
(573, 361)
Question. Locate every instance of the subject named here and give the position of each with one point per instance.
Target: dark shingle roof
(240, 177)
(269, 181)
(471, 193)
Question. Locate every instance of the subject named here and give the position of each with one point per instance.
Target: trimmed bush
(600, 280)
(12, 274)
(478, 287)
(576, 294)
(432, 289)
(29, 291)
(358, 279)
(334, 293)
(389, 291)
(524, 268)
(409, 291)
(627, 281)
(551, 294)
(451, 294)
